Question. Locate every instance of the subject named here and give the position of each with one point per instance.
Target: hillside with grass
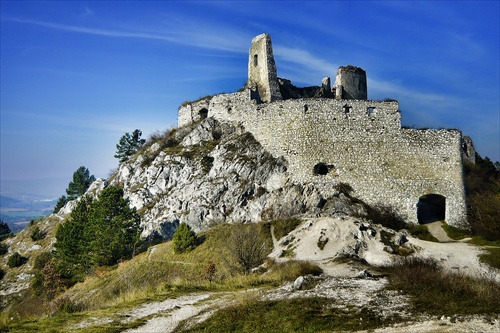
(258, 253)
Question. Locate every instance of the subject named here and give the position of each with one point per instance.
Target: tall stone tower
(262, 74)
(350, 83)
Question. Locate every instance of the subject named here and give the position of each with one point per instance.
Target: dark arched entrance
(431, 208)
(203, 114)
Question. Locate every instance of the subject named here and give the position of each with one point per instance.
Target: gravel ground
(339, 282)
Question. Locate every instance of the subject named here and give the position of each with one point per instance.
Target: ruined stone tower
(343, 138)
(350, 83)
(262, 75)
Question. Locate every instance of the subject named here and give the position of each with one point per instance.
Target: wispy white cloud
(397, 91)
(304, 58)
(197, 36)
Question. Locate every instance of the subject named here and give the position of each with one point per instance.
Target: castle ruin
(333, 135)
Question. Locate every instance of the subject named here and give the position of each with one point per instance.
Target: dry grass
(437, 292)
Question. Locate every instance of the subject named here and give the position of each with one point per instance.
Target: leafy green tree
(76, 188)
(4, 230)
(128, 145)
(184, 239)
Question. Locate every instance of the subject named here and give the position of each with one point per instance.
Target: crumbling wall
(350, 83)
(348, 139)
(262, 74)
(362, 143)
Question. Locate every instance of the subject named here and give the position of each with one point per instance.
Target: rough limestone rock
(212, 172)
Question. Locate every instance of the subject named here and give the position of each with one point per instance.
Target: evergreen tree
(60, 203)
(4, 230)
(99, 232)
(73, 236)
(184, 239)
(128, 146)
(115, 227)
(80, 184)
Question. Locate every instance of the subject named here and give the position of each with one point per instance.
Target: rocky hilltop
(214, 172)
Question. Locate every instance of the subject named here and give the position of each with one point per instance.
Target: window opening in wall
(255, 60)
(323, 169)
(431, 208)
(203, 113)
(347, 108)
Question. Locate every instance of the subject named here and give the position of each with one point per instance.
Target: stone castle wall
(344, 138)
(358, 142)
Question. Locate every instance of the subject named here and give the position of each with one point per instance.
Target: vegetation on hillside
(482, 185)
(76, 188)
(129, 144)
(4, 230)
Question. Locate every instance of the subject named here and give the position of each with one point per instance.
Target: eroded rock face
(215, 172)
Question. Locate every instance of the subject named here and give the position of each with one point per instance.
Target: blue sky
(75, 76)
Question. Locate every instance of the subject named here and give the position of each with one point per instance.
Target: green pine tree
(128, 145)
(184, 239)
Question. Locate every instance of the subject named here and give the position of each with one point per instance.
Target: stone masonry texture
(360, 142)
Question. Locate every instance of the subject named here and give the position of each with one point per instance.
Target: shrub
(4, 249)
(66, 305)
(42, 259)
(482, 187)
(4, 230)
(37, 234)
(437, 292)
(292, 269)
(184, 239)
(248, 245)
(16, 260)
(210, 271)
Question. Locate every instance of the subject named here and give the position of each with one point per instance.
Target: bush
(292, 269)
(283, 227)
(249, 245)
(437, 292)
(42, 259)
(184, 239)
(482, 187)
(66, 305)
(207, 163)
(4, 230)
(37, 234)
(4, 249)
(16, 260)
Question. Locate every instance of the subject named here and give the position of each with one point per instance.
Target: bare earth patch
(346, 236)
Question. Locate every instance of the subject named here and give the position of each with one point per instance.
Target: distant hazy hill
(18, 212)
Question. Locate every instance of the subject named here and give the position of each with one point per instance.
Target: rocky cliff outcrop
(214, 172)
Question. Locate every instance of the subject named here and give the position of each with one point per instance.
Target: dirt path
(169, 312)
(436, 229)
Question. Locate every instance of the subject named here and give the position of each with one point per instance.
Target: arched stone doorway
(431, 208)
